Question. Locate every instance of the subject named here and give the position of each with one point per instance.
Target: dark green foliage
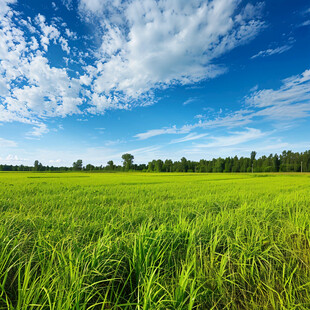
(288, 161)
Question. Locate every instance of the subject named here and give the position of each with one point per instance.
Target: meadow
(154, 241)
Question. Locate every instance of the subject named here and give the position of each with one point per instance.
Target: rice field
(154, 241)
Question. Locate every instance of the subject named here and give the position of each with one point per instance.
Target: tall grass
(141, 241)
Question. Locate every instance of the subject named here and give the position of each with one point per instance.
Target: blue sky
(94, 79)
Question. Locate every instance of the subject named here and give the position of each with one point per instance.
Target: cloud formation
(287, 104)
(150, 45)
(30, 88)
(144, 46)
(272, 51)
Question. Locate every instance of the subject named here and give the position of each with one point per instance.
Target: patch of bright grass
(154, 241)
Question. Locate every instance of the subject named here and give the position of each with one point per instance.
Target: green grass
(154, 241)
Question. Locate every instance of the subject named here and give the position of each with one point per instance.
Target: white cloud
(32, 89)
(234, 138)
(287, 104)
(4, 6)
(64, 45)
(38, 130)
(7, 143)
(291, 101)
(155, 44)
(236, 119)
(67, 4)
(14, 158)
(272, 51)
(70, 34)
(189, 137)
(55, 7)
(95, 6)
(305, 23)
(146, 45)
(190, 100)
(157, 132)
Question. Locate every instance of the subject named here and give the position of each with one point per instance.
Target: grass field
(154, 241)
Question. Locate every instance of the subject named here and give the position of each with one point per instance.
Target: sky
(94, 79)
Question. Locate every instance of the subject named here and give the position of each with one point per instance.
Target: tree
(276, 163)
(37, 166)
(228, 164)
(78, 165)
(236, 165)
(219, 165)
(127, 161)
(158, 165)
(90, 167)
(168, 165)
(184, 164)
(253, 155)
(110, 165)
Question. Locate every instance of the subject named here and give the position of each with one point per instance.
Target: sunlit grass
(154, 241)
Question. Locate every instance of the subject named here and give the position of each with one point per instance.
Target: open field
(154, 241)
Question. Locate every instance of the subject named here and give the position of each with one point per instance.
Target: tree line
(288, 161)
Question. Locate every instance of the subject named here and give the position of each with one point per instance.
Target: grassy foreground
(154, 241)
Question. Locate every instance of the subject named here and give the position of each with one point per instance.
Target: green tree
(228, 164)
(253, 155)
(276, 163)
(219, 165)
(78, 165)
(168, 165)
(236, 165)
(90, 167)
(127, 161)
(37, 166)
(184, 164)
(159, 165)
(110, 165)
(150, 166)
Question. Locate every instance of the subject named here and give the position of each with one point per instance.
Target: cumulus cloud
(38, 130)
(4, 6)
(145, 45)
(30, 88)
(148, 45)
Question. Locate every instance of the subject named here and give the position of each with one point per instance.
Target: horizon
(93, 80)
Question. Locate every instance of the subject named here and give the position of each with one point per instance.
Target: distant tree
(37, 166)
(78, 165)
(90, 167)
(228, 164)
(276, 163)
(150, 166)
(184, 164)
(219, 165)
(110, 165)
(168, 165)
(288, 161)
(253, 155)
(127, 161)
(158, 165)
(236, 165)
